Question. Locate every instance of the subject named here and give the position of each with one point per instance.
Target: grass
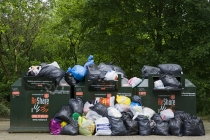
(204, 117)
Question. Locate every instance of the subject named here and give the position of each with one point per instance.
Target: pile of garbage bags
(126, 117)
(103, 71)
(73, 75)
(161, 69)
(167, 79)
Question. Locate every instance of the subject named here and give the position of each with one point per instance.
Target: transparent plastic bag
(92, 115)
(122, 107)
(87, 128)
(113, 112)
(86, 108)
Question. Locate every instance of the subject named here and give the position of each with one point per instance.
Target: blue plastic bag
(78, 72)
(135, 104)
(90, 61)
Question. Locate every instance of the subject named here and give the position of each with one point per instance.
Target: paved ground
(5, 124)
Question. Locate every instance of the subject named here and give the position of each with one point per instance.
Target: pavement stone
(5, 124)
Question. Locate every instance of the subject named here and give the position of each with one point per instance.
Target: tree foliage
(19, 26)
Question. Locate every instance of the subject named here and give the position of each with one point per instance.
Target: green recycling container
(90, 89)
(160, 99)
(34, 101)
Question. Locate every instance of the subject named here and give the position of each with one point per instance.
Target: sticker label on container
(125, 94)
(188, 94)
(39, 109)
(102, 85)
(39, 84)
(39, 117)
(15, 92)
(142, 93)
(79, 93)
(166, 101)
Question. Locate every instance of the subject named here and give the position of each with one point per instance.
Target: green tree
(136, 33)
(19, 25)
(62, 35)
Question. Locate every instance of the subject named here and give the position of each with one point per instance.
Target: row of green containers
(35, 100)
(156, 99)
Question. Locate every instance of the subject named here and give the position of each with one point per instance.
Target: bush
(4, 108)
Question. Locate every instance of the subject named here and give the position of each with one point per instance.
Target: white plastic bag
(103, 127)
(167, 114)
(159, 84)
(92, 115)
(134, 81)
(146, 111)
(34, 70)
(86, 107)
(122, 107)
(135, 109)
(111, 75)
(113, 112)
(55, 64)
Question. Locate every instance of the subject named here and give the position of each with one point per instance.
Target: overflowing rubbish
(123, 119)
(117, 114)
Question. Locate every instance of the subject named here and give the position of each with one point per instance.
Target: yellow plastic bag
(81, 119)
(63, 124)
(87, 128)
(123, 100)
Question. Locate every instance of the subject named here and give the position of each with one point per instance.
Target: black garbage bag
(70, 129)
(176, 127)
(104, 68)
(91, 101)
(119, 70)
(69, 78)
(136, 99)
(161, 128)
(132, 126)
(100, 108)
(76, 105)
(117, 126)
(170, 68)
(144, 125)
(170, 80)
(93, 72)
(51, 71)
(146, 70)
(156, 118)
(178, 114)
(193, 127)
(64, 114)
